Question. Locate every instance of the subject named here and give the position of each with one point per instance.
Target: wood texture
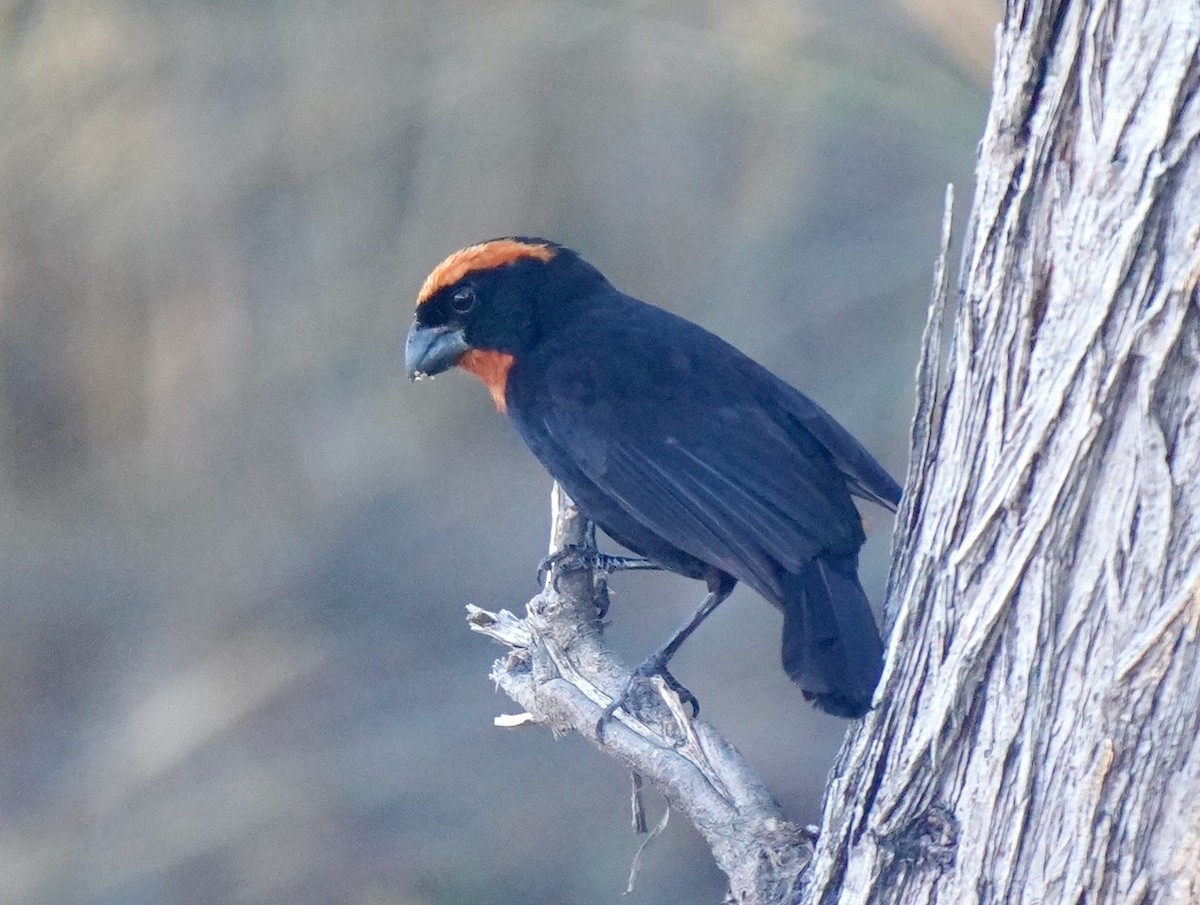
(1036, 739)
(563, 675)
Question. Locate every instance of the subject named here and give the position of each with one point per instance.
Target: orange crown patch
(485, 256)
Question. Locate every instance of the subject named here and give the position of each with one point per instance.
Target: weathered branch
(562, 674)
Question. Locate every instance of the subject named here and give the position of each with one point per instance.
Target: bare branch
(562, 674)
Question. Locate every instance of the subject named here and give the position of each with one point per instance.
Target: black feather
(691, 454)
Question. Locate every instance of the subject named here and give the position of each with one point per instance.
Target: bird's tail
(831, 646)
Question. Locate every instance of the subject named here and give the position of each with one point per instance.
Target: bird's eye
(463, 300)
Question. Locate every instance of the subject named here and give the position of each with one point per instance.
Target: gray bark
(1035, 735)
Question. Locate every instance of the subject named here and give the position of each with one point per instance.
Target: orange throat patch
(492, 368)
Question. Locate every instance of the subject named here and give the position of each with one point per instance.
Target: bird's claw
(652, 667)
(568, 559)
(682, 693)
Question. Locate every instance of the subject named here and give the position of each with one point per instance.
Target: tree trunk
(1035, 739)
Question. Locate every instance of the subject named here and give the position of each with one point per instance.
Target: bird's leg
(656, 663)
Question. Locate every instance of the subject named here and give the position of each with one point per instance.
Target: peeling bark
(1036, 736)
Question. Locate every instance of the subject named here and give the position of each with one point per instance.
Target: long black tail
(831, 646)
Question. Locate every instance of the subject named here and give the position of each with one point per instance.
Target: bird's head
(483, 307)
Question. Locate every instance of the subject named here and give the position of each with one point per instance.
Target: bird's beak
(431, 350)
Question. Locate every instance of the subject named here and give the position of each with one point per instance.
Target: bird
(680, 447)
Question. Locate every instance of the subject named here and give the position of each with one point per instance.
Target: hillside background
(235, 543)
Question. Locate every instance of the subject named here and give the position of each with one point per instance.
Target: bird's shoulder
(623, 353)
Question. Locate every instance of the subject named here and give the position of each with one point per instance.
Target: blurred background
(235, 543)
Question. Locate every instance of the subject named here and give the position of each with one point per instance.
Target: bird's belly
(600, 508)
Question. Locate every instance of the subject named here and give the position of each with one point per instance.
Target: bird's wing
(698, 461)
(865, 477)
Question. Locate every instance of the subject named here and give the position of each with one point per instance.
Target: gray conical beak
(431, 350)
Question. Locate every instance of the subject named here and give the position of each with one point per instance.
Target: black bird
(676, 444)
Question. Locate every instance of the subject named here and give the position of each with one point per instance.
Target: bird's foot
(653, 666)
(568, 559)
(576, 559)
(608, 564)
